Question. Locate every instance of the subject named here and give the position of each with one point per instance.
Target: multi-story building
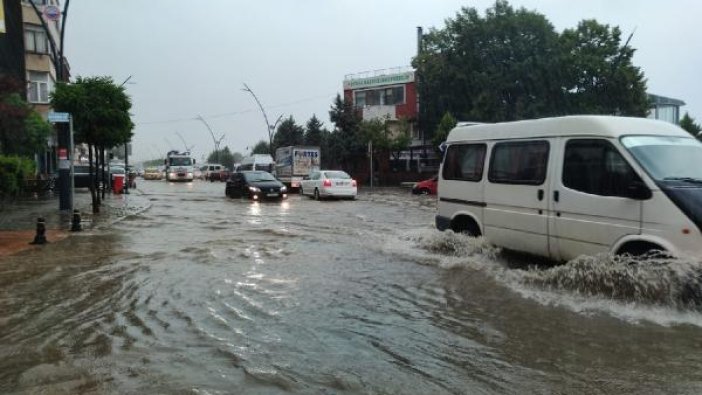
(42, 64)
(391, 95)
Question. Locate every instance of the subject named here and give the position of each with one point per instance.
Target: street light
(216, 141)
(269, 127)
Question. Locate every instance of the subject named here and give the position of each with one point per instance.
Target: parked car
(255, 185)
(81, 176)
(426, 187)
(328, 183)
(152, 173)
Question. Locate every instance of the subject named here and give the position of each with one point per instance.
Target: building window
(521, 162)
(360, 98)
(35, 40)
(392, 96)
(464, 162)
(38, 91)
(596, 167)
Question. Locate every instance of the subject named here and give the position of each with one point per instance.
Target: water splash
(653, 280)
(454, 244)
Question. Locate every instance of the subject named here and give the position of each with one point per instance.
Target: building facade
(42, 42)
(665, 108)
(391, 96)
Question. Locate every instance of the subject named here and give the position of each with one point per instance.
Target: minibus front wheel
(642, 248)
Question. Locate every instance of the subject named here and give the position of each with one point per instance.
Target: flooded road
(206, 295)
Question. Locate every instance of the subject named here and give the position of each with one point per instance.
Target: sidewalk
(18, 219)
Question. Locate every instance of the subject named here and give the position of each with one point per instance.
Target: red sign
(63, 153)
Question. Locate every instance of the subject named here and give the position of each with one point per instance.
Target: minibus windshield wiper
(685, 179)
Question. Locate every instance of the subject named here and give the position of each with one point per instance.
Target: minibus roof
(578, 125)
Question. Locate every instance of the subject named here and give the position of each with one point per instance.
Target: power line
(228, 114)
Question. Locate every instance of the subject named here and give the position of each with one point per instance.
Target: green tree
(447, 123)
(314, 132)
(101, 119)
(344, 145)
(225, 157)
(261, 148)
(688, 123)
(600, 77)
(511, 64)
(288, 133)
(23, 131)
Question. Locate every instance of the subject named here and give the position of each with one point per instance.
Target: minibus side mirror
(637, 190)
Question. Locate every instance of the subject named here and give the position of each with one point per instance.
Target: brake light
(327, 183)
(353, 183)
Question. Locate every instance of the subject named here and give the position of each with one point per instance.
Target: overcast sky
(193, 57)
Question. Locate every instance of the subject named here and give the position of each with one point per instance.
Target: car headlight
(254, 189)
(283, 189)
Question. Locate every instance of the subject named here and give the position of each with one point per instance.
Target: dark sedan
(255, 185)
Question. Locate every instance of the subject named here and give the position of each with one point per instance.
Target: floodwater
(201, 294)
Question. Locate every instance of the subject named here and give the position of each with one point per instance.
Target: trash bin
(117, 183)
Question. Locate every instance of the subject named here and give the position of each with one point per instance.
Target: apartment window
(596, 167)
(464, 162)
(383, 96)
(38, 91)
(35, 40)
(360, 98)
(522, 162)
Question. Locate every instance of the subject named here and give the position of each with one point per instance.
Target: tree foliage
(288, 133)
(261, 148)
(225, 157)
(511, 64)
(447, 123)
(688, 123)
(100, 110)
(344, 144)
(314, 132)
(23, 131)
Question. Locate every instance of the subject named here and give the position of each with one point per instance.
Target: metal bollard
(40, 237)
(75, 222)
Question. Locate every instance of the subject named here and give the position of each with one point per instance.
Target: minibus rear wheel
(465, 225)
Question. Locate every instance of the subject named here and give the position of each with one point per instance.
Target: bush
(14, 170)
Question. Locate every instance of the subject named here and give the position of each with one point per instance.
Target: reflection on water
(206, 294)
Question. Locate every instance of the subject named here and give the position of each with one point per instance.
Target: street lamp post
(270, 128)
(216, 141)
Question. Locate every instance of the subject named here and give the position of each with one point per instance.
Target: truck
(295, 162)
(179, 166)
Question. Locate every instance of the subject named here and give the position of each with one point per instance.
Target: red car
(426, 187)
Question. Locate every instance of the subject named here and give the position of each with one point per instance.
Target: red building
(391, 95)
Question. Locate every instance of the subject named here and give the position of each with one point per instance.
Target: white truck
(179, 166)
(294, 162)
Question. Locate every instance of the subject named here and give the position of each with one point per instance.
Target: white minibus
(577, 185)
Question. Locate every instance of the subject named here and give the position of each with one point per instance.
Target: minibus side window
(596, 167)
(520, 162)
(464, 162)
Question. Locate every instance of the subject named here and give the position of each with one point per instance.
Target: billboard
(2, 17)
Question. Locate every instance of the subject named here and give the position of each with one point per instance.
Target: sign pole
(65, 168)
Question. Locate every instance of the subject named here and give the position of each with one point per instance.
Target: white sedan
(328, 183)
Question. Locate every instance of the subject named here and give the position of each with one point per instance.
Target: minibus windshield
(667, 158)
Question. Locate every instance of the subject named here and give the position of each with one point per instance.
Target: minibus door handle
(556, 196)
(540, 194)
